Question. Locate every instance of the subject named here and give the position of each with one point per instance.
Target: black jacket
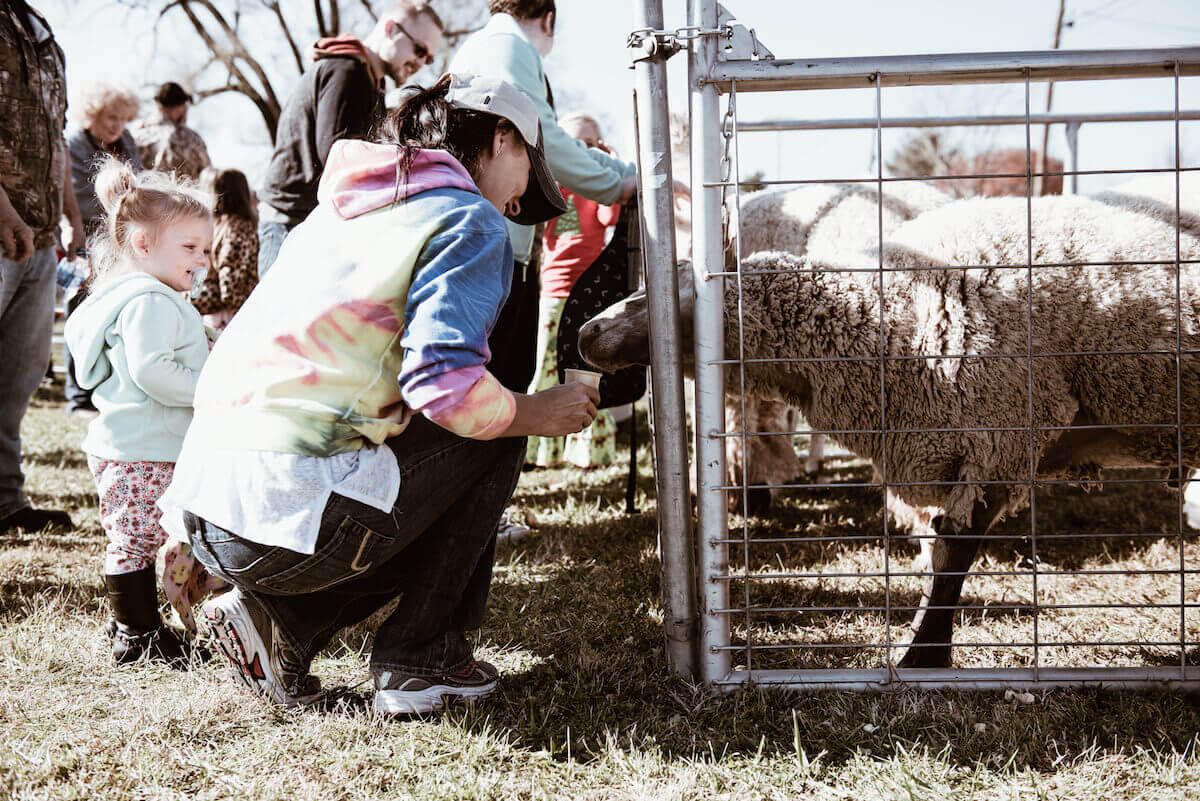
(334, 100)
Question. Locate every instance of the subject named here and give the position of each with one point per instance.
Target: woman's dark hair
(426, 121)
(231, 194)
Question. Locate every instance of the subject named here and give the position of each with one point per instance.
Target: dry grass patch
(586, 708)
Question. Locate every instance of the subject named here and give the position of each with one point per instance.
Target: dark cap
(542, 200)
(171, 94)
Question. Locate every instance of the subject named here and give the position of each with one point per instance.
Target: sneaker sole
(239, 642)
(431, 699)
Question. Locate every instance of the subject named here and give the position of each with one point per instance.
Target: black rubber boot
(137, 628)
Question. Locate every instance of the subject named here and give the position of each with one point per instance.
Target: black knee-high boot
(137, 628)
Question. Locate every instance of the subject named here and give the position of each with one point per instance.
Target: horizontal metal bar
(962, 430)
(761, 577)
(980, 679)
(1037, 482)
(1029, 607)
(952, 68)
(929, 356)
(989, 537)
(852, 123)
(947, 267)
(899, 646)
(926, 178)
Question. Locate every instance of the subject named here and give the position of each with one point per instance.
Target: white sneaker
(400, 694)
(245, 634)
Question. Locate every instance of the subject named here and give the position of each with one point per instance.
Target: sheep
(812, 219)
(935, 320)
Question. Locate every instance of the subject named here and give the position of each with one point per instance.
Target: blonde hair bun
(114, 181)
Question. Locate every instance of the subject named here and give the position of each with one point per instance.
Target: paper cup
(589, 377)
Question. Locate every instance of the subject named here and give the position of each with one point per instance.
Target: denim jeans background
(26, 323)
(270, 238)
(433, 551)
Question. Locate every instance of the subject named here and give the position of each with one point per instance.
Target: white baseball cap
(542, 200)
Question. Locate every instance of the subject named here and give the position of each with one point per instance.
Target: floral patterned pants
(129, 513)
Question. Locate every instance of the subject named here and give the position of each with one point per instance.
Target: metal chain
(726, 166)
(671, 41)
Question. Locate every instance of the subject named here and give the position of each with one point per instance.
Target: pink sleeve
(484, 411)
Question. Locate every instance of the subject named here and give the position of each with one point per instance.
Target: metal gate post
(662, 294)
(707, 258)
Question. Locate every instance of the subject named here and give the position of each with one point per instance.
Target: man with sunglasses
(338, 98)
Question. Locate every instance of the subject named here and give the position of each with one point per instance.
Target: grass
(587, 707)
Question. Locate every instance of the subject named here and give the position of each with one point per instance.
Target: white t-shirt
(270, 498)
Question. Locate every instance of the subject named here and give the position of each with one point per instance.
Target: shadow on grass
(20, 595)
(599, 680)
(65, 500)
(58, 457)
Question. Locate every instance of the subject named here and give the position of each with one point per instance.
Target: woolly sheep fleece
(945, 314)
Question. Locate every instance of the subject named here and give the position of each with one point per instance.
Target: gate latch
(742, 43)
(736, 42)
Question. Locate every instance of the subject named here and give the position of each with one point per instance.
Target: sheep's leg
(933, 627)
(816, 455)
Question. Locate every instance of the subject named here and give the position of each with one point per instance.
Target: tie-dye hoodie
(379, 306)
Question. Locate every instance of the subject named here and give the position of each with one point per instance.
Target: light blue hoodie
(139, 345)
(501, 49)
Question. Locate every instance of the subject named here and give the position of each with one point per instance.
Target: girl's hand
(186, 582)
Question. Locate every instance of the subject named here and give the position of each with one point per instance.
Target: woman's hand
(554, 412)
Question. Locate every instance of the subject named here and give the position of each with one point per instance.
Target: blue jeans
(26, 323)
(270, 239)
(433, 551)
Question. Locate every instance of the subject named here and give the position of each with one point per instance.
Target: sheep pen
(958, 357)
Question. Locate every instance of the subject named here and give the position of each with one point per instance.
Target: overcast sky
(589, 70)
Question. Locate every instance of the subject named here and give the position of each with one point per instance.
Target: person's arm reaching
(71, 209)
(554, 412)
(590, 172)
(344, 104)
(461, 281)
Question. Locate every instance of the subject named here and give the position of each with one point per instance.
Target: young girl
(571, 244)
(234, 269)
(139, 345)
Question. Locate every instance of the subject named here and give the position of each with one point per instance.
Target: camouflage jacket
(170, 147)
(33, 107)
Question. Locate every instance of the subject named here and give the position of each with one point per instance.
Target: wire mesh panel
(1009, 387)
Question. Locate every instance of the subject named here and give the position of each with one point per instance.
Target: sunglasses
(419, 49)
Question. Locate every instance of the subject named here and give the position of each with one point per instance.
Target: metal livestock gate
(708, 598)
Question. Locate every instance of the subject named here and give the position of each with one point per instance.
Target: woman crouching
(308, 479)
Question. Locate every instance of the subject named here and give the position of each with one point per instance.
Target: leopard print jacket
(233, 271)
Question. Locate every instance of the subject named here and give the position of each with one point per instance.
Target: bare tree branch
(319, 12)
(366, 4)
(268, 106)
(201, 94)
(335, 17)
(287, 35)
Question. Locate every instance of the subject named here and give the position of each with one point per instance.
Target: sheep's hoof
(932, 656)
(758, 501)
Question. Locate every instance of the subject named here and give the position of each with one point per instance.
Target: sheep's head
(619, 336)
